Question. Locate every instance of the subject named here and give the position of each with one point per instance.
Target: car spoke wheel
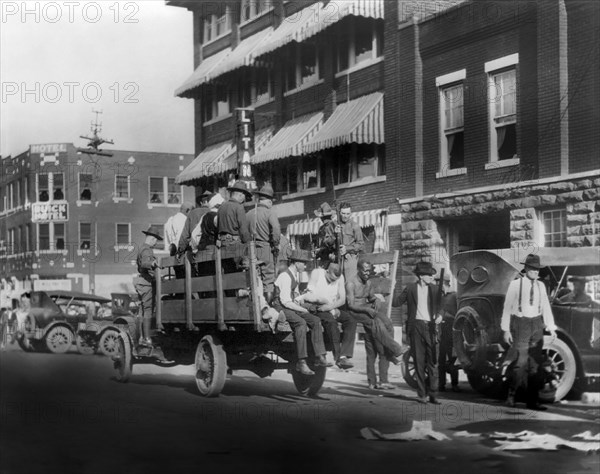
(309, 385)
(211, 366)
(59, 339)
(408, 369)
(489, 384)
(108, 344)
(123, 358)
(25, 343)
(564, 367)
(84, 345)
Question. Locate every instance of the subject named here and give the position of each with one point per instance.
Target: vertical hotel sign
(245, 144)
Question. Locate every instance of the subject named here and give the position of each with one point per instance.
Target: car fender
(54, 324)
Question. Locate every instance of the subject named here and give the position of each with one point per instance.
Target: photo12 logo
(55, 12)
(54, 92)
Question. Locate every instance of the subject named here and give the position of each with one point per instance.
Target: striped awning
(315, 18)
(202, 74)
(242, 54)
(289, 140)
(311, 226)
(219, 158)
(357, 121)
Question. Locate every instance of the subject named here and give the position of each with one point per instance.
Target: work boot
(344, 363)
(303, 368)
(322, 361)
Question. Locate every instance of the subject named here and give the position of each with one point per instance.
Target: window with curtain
(452, 125)
(123, 235)
(503, 97)
(122, 186)
(85, 186)
(554, 227)
(85, 235)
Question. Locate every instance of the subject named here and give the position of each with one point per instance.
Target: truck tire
(123, 359)
(211, 366)
(59, 339)
(309, 385)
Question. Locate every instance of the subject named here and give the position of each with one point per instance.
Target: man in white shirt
(525, 315)
(174, 227)
(298, 317)
(327, 292)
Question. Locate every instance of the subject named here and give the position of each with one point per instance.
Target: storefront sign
(50, 148)
(48, 212)
(52, 285)
(245, 144)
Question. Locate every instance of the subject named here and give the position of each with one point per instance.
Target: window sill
(306, 192)
(152, 205)
(218, 119)
(446, 173)
(359, 66)
(502, 163)
(51, 252)
(118, 248)
(361, 182)
(118, 199)
(212, 40)
(79, 203)
(304, 86)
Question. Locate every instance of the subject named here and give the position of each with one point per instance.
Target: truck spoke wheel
(211, 366)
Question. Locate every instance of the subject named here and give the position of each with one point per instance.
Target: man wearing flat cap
(145, 281)
(525, 315)
(326, 238)
(231, 218)
(266, 232)
(298, 317)
(421, 330)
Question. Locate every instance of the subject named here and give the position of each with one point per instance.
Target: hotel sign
(50, 148)
(49, 212)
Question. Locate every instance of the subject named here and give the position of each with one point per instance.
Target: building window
(164, 190)
(27, 238)
(502, 86)
(43, 185)
(122, 187)
(263, 91)
(253, 8)
(123, 235)
(17, 192)
(58, 183)
(554, 224)
(451, 113)
(85, 187)
(25, 190)
(85, 235)
(358, 161)
(10, 241)
(302, 65)
(51, 236)
(50, 186)
(291, 175)
(217, 24)
(358, 43)
(10, 194)
(218, 103)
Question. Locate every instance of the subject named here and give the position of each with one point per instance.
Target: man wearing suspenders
(525, 315)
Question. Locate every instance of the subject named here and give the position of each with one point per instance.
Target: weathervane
(93, 146)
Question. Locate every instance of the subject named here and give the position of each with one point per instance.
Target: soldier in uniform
(351, 241)
(232, 221)
(145, 282)
(326, 238)
(266, 232)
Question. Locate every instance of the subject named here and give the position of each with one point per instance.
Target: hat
(300, 256)
(153, 231)
(240, 186)
(532, 261)
(581, 279)
(265, 191)
(207, 194)
(186, 206)
(215, 201)
(324, 210)
(424, 268)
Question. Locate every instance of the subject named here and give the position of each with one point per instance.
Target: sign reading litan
(245, 144)
(46, 212)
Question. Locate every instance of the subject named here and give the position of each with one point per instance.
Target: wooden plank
(205, 310)
(188, 294)
(231, 281)
(254, 291)
(219, 284)
(169, 262)
(158, 290)
(393, 272)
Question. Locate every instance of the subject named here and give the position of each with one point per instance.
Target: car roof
(76, 295)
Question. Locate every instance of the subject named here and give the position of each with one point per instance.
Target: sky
(61, 60)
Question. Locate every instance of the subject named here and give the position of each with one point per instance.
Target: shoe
(536, 406)
(404, 350)
(321, 361)
(422, 400)
(386, 386)
(146, 342)
(303, 368)
(434, 400)
(394, 360)
(510, 401)
(456, 389)
(344, 363)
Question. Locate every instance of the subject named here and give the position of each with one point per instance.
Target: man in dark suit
(421, 330)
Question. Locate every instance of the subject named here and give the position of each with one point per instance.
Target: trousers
(526, 354)
(343, 344)
(300, 322)
(423, 348)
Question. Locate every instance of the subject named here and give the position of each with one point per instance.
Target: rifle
(338, 254)
(438, 306)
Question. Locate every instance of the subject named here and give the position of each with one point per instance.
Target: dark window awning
(357, 121)
(202, 74)
(290, 139)
(311, 226)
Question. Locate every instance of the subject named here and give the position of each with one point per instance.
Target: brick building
(448, 125)
(74, 221)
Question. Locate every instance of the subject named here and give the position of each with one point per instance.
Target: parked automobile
(482, 279)
(55, 318)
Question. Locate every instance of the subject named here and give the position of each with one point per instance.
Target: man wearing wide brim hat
(266, 232)
(525, 316)
(298, 317)
(578, 295)
(232, 222)
(325, 251)
(145, 281)
(421, 330)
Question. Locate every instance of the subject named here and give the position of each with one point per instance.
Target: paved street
(66, 412)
